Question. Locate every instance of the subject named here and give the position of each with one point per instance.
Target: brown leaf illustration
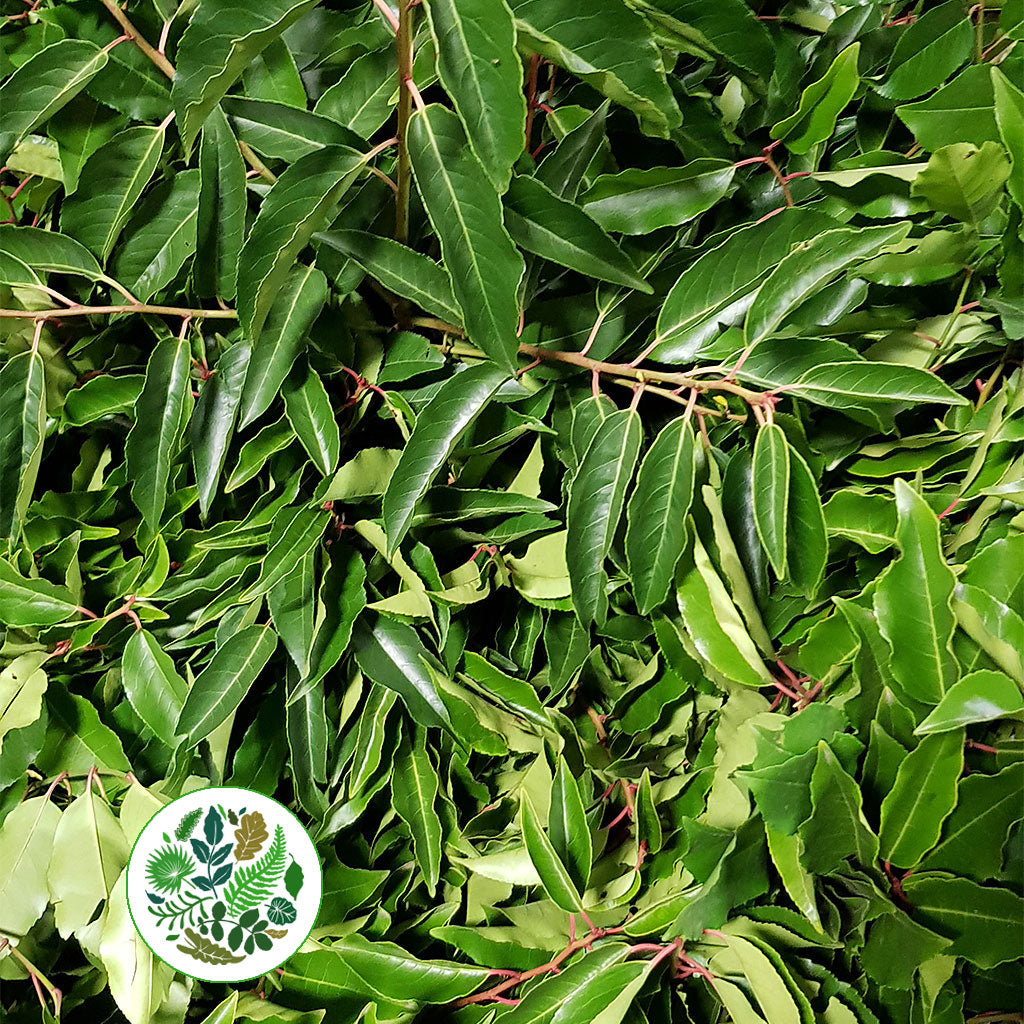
(208, 952)
(277, 933)
(251, 835)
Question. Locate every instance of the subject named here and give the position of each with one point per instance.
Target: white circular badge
(224, 884)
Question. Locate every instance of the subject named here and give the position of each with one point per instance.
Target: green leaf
(928, 52)
(282, 339)
(607, 45)
(821, 103)
(161, 413)
(44, 84)
(554, 874)
(809, 268)
(26, 841)
(152, 685)
(221, 686)
(568, 829)
(867, 519)
(719, 287)
(48, 252)
(22, 686)
(414, 792)
(964, 181)
(281, 132)
(355, 965)
(299, 203)
(438, 428)
(222, 38)
(913, 603)
(648, 824)
(974, 835)
(637, 202)
(79, 128)
(465, 212)
(961, 111)
(983, 921)
(481, 71)
(981, 696)
(160, 237)
(596, 499)
(787, 855)
(1009, 110)
(837, 828)
(110, 185)
(400, 269)
(32, 602)
(300, 532)
(807, 540)
(714, 627)
(656, 514)
(308, 409)
(220, 223)
(777, 1001)
(922, 798)
(22, 429)
(847, 385)
(213, 422)
(563, 170)
(392, 654)
(558, 230)
(89, 853)
(771, 493)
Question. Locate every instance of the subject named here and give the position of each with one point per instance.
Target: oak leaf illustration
(251, 835)
(206, 951)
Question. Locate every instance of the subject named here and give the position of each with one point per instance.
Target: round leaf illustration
(281, 911)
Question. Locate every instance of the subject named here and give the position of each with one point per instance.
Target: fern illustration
(187, 825)
(255, 882)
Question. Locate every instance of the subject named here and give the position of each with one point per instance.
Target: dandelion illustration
(281, 911)
(168, 868)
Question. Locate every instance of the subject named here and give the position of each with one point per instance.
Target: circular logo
(224, 884)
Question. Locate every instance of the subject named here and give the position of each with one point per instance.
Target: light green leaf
(981, 696)
(22, 685)
(26, 843)
(913, 603)
(964, 181)
(152, 685)
(554, 874)
(922, 798)
(1009, 109)
(32, 602)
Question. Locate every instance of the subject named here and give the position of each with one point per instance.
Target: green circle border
(138, 930)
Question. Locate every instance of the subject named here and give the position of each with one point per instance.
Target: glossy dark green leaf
(298, 534)
(44, 84)
(484, 265)
(656, 514)
(399, 268)
(282, 132)
(224, 682)
(438, 428)
(298, 204)
(961, 111)
(596, 500)
(308, 408)
(554, 874)
(110, 185)
(542, 223)
(414, 791)
(161, 413)
(22, 428)
(637, 202)
(282, 339)
(221, 39)
(807, 538)
(981, 696)
(480, 69)
(771, 493)
(32, 602)
(928, 52)
(568, 829)
(220, 224)
(610, 47)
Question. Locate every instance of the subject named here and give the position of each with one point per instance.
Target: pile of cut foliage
(569, 451)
